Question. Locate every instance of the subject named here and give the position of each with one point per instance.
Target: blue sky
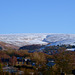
(37, 16)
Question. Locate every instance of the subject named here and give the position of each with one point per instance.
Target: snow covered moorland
(38, 38)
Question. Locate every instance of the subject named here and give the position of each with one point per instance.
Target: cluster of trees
(64, 60)
(30, 47)
(54, 49)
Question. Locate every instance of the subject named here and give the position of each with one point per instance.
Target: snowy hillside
(23, 39)
(59, 39)
(38, 38)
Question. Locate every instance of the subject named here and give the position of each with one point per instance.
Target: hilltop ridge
(37, 38)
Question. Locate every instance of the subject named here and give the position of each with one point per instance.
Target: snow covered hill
(38, 38)
(59, 39)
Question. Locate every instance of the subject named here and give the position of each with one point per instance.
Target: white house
(70, 49)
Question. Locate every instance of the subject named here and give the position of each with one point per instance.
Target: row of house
(27, 61)
(20, 61)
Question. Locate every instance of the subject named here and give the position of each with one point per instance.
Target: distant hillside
(5, 46)
(38, 38)
(30, 47)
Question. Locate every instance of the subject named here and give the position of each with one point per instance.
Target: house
(20, 60)
(23, 61)
(70, 49)
(6, 61)
(50, 62)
